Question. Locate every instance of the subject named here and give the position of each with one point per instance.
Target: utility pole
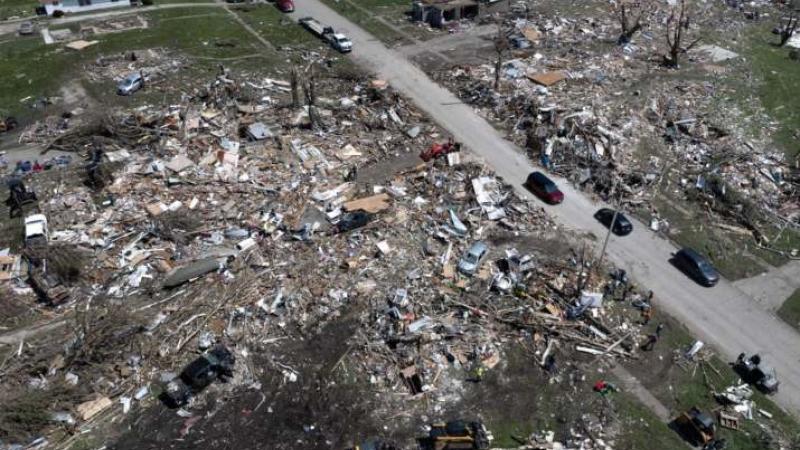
(613, 222)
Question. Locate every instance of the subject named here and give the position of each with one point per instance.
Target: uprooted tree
(787, 29)
(676, 26)
(625, 11)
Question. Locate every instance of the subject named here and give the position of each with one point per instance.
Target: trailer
(336, 40)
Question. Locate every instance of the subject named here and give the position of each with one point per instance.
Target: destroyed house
(438, 13)
(74, 6)
(10, 267)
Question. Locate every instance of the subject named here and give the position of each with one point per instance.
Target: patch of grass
(276, 27)
(725, 250)
(779, 87)
(680, 388)
(790, 310)
(641, 428)
(368, 20)
(21, 8)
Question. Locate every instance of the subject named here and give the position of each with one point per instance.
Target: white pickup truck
(336, 40)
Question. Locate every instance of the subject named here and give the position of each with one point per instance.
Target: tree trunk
(498, 64)
(788, 30)
(295, 84)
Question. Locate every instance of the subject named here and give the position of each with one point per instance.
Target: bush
(58, 13)
(147, 2)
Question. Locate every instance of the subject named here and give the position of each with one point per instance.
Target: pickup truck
(337, 40)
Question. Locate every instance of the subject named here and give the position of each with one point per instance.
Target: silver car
(130, 84)
(468, 264)
(26, 28)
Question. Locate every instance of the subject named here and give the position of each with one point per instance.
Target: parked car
(544, 188)
(696, 267)
(130, 84)
(286, 6)
(351, 221)
(336, 40)
(622, 226)
(26, 28)
(469, 263)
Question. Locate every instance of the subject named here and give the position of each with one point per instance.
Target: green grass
(790, 310)
(368, 19)
(724, 249)
(680, 389)
(21, 8)
(780, 84)
(641, 428)
(777, 83)
(276, 27)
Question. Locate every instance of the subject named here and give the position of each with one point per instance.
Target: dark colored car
(544, 188)
(351, 221)
(622, 226)
(214, 365)
(696, 266)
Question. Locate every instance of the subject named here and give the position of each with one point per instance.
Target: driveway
(723, 316)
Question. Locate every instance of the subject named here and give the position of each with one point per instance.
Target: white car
(36, 229)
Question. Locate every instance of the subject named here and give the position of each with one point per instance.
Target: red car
(544, 188)
(286, 6)
(439, 150)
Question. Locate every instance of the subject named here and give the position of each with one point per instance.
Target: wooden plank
(548, 78)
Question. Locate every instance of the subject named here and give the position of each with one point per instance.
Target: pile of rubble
(578, 110)
(237, 217)
(156, 63)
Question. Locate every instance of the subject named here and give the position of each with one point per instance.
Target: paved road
(723, 316)
(773, 287)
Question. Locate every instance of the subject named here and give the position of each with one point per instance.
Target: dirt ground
(318, 411)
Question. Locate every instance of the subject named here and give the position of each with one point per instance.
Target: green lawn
(276, 27)
(790, 311)
(366, 16)
(780, 84)
(21, 8)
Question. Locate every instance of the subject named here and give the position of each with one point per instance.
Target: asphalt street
(723, 316)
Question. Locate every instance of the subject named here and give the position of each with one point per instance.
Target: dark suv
(214, 365)
(696, 266)
(622, 226)
(544, 188)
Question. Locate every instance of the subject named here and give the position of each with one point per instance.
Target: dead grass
(25, 413)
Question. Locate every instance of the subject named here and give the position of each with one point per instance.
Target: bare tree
(787, 30)
(675, 29)
(628, 29)
(501, 47)
(310, 92)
